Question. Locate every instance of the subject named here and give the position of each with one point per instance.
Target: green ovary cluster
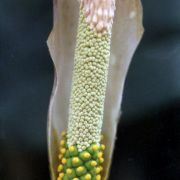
(89, 86)
(75, 165)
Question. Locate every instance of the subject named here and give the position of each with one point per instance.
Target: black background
(148, 145)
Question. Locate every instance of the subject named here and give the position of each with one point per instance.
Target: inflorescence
(81, 154)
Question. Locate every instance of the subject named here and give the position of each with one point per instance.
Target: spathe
(126, 34)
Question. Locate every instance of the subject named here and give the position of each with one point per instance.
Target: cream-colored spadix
(126, 33)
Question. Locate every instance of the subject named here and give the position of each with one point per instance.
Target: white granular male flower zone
(89, 83)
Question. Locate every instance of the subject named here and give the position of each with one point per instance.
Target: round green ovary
(89, 86)
(85, 165)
